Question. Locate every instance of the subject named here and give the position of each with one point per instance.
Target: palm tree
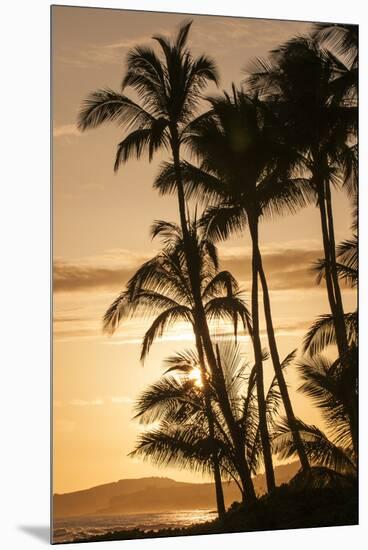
(162, 287)
(319, 122)
(241, 165)
(331, 387)
(177, 403)
(169, 89)
(322, 333)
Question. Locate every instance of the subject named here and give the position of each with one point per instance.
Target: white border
(25, 219)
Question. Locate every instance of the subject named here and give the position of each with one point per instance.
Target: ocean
(70, 529)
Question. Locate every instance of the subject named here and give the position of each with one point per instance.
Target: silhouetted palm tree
(162, 287)
(177, 404)
(331, 386)
(242, 163)
(319, 122)
(169, 88)
(322, 333)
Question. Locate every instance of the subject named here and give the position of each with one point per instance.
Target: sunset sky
(101, 235)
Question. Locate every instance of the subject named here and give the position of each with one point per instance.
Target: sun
(196, 376)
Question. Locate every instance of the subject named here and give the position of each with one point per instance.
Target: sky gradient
(101, 235)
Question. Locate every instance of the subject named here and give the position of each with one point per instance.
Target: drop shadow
(40, 532)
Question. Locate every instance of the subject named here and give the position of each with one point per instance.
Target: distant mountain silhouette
(154, 494)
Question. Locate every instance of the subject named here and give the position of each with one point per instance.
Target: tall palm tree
(322, 333)
(320, 124)
(177, 403)
(241, 166)
(162, 287)
(169, 88)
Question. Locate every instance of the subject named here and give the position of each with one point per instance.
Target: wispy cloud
(112, 53)
(84, 290)
(109, 270)
(86, 403)
(96, 402)
(287, 267)
(121, 400)
(66, 130)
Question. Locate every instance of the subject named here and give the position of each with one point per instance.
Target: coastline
(286, 508)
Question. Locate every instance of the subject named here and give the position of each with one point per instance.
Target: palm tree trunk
(266, 445)
(244, 472)
(340, 331)
(278, 369)
(220, 501)
(340, 316)
(333, 289)
(211, 429)
(335, 280)
(234, 429)
(248, 492)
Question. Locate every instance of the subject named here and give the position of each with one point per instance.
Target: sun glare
(196, 376)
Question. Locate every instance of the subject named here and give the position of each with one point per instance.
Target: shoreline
(286, 508)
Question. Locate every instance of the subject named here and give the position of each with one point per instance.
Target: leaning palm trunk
(335, 304)
(278, 370)
(218, 376)
(204, 332)
(339, 306)
(265, 439)
(248, 492)
(211, 430)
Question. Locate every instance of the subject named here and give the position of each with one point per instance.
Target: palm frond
(324, 384)
(322, 333)
(222, 281)
(108, 106)
(347, 252)
(174, 446)
(135, 142)
(182, 36)
(319, 449)
(166, 319)
(219, 222)
(228, 307)
(164, 398)
(341, 37)
(119, 309)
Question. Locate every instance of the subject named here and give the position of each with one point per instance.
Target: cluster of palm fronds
(275, 144)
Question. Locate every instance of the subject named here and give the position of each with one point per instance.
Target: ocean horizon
(72, 528)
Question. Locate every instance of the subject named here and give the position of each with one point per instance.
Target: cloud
(110, 270)
(97, 402)
(66, 130)
(72, 277)
(84, 403)
(121, 400)
(102, 54)
(286, 268)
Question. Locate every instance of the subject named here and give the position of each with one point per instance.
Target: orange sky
(101, 224)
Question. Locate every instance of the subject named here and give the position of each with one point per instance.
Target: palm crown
(162, 287)
(244, 168)
(169, 88)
